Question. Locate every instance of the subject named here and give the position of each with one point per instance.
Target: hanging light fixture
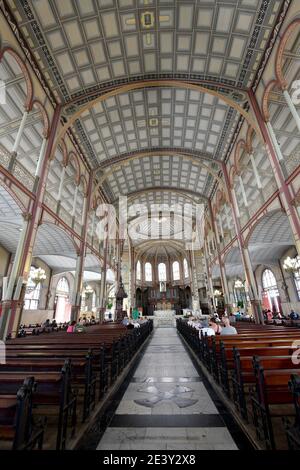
(217, 293)
(38, 275)
(89, 289)
(292, 265)
(238, 284)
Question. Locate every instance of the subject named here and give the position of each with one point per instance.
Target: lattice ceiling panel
(273, 229)
(11, 113)
(95, 42)
(161, 250)
(157, 172)
(51, 240)
(155, 118)
(9, 236)
(9, 210)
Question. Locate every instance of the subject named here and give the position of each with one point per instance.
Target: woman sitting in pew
(227, 328)
(71, 327)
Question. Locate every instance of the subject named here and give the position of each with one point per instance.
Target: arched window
(148, 272)
(269, 281)
(176, 271)
(271, 293)
(297, 283)
(138, 271)
(32, 294)
(162, 272)
(63, 287)
(185, 268)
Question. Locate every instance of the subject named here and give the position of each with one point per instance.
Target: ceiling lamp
(292, 265)
(89, 289)
(238, 284)
(217, 293)
(38, 275)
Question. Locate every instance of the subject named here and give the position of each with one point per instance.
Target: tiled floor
(166, 405)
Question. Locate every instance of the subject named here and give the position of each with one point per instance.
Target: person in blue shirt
(293, 315)
(125, 321)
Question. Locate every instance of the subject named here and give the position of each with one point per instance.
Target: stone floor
(166, 405)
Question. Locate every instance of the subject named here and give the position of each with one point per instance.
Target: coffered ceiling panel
(93, 42)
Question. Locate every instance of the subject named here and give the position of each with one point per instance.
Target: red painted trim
(284, 187)
(63, 225)
(14, 196)
(29, 98)
(280, 51)
(16, 182)
(41, 187)
(45, 117)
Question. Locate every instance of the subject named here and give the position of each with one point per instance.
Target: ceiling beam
(192, 155)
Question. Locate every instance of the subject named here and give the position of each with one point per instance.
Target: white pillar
(20, 132)
(217, 231)
(93, 223)
(292, 108)
(227, 216)
(75, 201)
(235, 203)
(15, 267)
(257, 177)
(76, 295)
(62, 177)
(208, 245)
(83, 211)
(221, 226)
(41, 158)
(243, 191)
(274, 141)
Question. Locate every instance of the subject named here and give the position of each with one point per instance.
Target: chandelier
(238, 284)
(292, 265)
(217, 293)
(38, 275)
(89, 289)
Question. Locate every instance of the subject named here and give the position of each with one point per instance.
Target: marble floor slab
(166, 405)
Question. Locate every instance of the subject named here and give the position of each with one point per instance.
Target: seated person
(71, 327)
(293, 315)
(269, 315)
(217, 322)
(227, 328)
(125, 321)
(46, 324)
(80, 327)
(211, 330)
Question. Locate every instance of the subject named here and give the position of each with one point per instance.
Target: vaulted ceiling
(85, 47)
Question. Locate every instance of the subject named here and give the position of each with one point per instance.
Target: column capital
(27, 216)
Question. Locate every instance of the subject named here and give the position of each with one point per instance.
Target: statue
(135, 314)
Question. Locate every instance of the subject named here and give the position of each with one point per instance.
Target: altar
(164, 318)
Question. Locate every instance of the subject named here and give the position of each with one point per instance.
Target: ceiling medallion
(147, 19)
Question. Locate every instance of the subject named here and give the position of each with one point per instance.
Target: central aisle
(166, 405)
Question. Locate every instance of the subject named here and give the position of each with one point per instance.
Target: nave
(149, 177)
(166, 405)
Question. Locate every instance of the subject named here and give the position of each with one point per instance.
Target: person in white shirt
(227, 328)
(211, 330)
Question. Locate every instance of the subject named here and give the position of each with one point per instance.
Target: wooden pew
(101, 351)
(271, 401)
(54, 390)
(293, 429)
(243, 374)
(17, 426)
